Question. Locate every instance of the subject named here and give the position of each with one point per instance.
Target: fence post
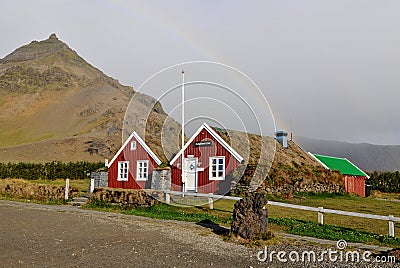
(66, 189)
(391, 226)
(167, 198)
(321, 215)
(91, 190)
(211, 201)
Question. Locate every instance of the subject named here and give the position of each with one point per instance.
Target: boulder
(250, 217)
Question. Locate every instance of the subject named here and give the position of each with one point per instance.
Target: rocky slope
(56, 106)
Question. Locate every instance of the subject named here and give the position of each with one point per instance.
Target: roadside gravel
(33, 235)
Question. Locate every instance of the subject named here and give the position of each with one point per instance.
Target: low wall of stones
(127, 197)
(19, 188)
(240, 189)
(306, 188)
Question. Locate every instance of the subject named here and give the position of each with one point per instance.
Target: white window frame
(139, 174)
(123, 171)
(217, 178)
(133, 145)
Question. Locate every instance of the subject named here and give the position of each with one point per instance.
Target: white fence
(320, 210)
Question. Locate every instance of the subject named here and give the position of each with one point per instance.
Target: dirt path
(33, 235)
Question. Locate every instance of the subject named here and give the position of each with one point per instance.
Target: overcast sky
(329, 69)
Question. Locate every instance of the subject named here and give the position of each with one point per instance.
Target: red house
(133, 165)
(208, 162)
(354, 177)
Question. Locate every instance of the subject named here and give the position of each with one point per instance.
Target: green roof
(343, 165)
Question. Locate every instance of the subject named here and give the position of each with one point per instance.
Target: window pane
(220, 174)
(214, 174)
(214, 161)
(221, 161)
(221, 167)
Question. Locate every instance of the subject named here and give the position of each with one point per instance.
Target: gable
(215, 136)
(343, 165)
(135, 137)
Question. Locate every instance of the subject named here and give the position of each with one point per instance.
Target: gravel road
(33, 235)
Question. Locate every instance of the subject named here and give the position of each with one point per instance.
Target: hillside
(368, 157)
(56, 106)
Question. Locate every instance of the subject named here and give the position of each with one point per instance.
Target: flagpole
(183, 130)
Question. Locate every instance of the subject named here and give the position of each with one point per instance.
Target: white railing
(320, 210)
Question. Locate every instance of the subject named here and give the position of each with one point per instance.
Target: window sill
(141, 179)
(217, 179)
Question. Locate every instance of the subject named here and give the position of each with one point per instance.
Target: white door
(190, 173)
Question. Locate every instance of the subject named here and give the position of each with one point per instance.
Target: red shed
(133, 165)
(208, 163)
(354, 177)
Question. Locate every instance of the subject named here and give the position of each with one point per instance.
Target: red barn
(208, 162)
(133, 165)
(354, 177)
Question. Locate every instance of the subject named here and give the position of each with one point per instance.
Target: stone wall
(286, 179)
(161, 179)
(21, 189)
(100, 179)
(127, 197)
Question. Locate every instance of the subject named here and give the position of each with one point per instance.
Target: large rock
(250, 217)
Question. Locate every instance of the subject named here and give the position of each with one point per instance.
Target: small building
(209, 162)
(133, 165)
(354, 177)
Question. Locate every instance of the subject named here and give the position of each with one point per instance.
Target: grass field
(345, 202)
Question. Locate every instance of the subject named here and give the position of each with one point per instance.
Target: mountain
(56, 106)
(368, 157)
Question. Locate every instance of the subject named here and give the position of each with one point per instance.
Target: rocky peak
(53, 36)
(36, 50)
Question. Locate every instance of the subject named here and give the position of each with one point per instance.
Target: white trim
(141, 142)
(215, 136)
(210, 177)
(319, 161)
(366, 175)
(137, 170)
(119, 171)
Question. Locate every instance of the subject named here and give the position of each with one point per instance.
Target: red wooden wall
(355, 184)
(132, 156)
(203, 153)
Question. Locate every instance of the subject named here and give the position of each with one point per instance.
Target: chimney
(281, 137)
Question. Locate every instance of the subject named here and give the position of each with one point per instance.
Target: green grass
(167, 212)
(299, 222)
(341, 202)
(331, 232)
